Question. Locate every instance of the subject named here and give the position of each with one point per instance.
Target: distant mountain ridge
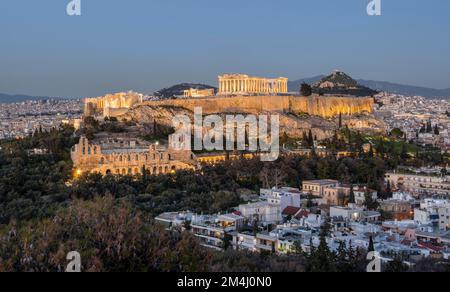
(390, 87)
(8, 98)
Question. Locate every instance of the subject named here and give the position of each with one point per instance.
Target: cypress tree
(371, 244)
(352, 199)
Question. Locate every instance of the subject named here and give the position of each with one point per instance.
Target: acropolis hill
(245, 94)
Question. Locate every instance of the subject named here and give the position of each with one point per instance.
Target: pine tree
(324, 258)
(343, 264)
(369, 202)
(306, 89)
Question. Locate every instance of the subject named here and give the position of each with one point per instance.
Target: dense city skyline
(149, 45)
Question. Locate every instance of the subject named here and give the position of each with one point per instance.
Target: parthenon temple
(244, 84)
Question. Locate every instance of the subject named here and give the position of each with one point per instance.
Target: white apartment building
(433, 212)
(355, 214)
(262, 212)
(285, 197)
(420, 184)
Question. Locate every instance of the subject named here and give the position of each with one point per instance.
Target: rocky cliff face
(291, 124)
(325, 107)
(297, 114)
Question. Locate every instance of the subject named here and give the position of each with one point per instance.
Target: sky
(145, 45)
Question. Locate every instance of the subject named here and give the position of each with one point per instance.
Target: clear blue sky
(145, 45)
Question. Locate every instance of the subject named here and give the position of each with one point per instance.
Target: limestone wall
(322, 106)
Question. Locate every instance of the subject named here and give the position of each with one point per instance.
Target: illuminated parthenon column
(230, 84)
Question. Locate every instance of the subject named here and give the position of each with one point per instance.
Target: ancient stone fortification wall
(322, 106)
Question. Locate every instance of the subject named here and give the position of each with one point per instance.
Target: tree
(389, 193)
(371, 153)
(397, 133)
(369, 202)
(322, 259)
(310, 138)
(110, 236)
(297, 248)
(429, 127)
(352, 199)
(396, 265)
(404, 153)
(422, 130)
(371, 245)
(436, 130)
(187, 225)
(310, 203)
(305, 89)
(228, 241)
(340, 121)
